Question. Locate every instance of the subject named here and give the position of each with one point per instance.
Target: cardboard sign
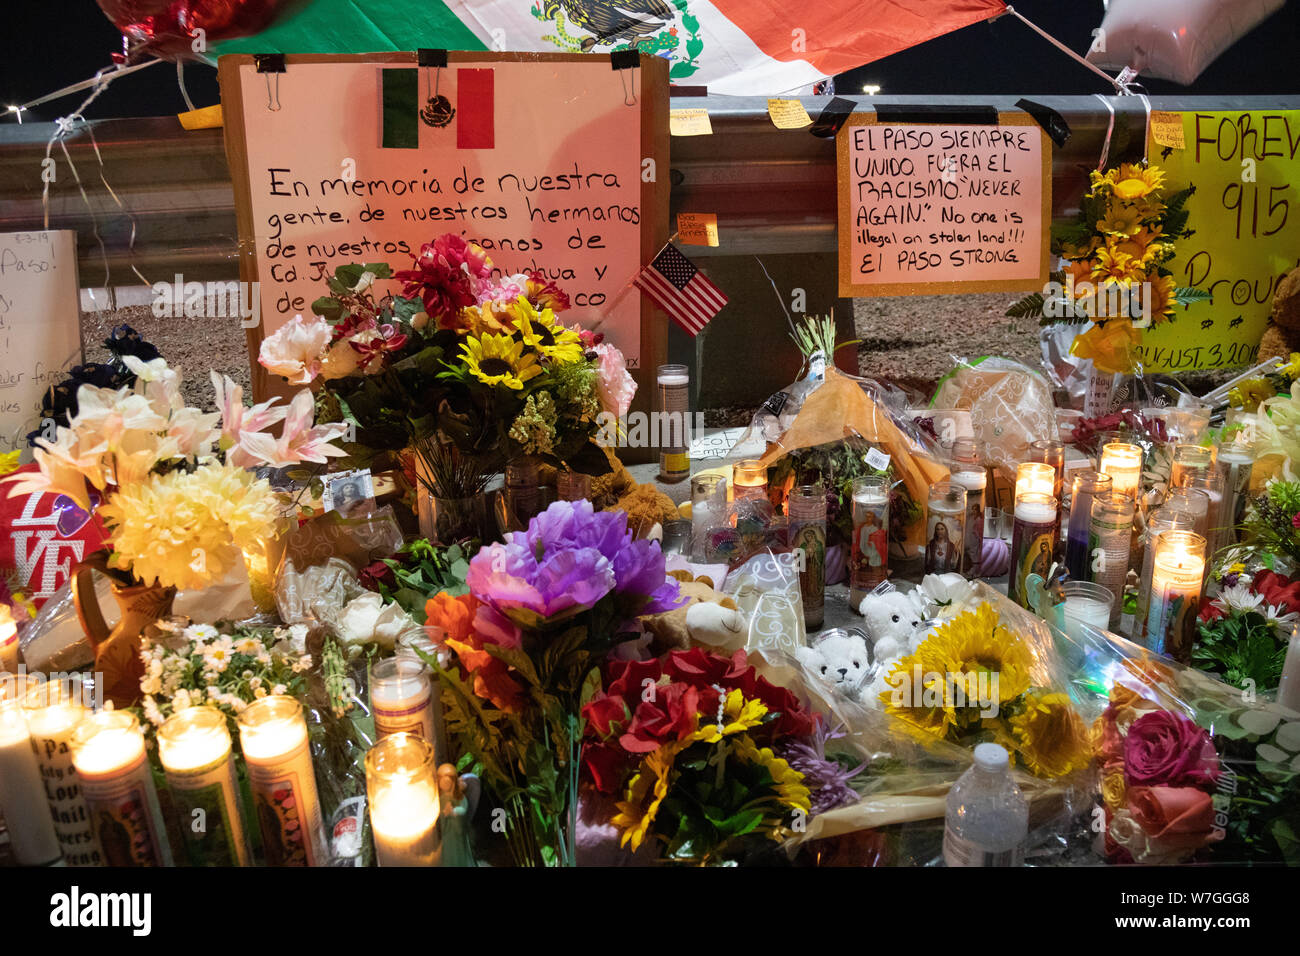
(927, 209)
(40, 326)
(1246, 234)
(539, 159)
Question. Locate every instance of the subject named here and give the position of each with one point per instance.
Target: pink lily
(300, 440)
(237, 419)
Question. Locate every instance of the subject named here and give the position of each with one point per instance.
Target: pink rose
(1166, 748)
(614, 383)
(295, 349)
(1176, 819)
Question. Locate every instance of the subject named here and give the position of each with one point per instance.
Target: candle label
(1169, 621)
(1031, 553)
(127, 819)
(974, 531)
(1108, 545)
(403, 716)
(288, 812)
(206, 808)
(869, 561)
(809, 543)
(67, 804)
(944, 539)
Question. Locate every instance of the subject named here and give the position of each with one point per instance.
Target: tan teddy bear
(709, 619)
(1282, 337)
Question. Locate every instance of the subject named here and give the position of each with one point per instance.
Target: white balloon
(1173, 39)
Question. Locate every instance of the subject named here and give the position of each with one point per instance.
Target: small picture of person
(872, 541)
(941, 551)
(974, 534)
(351, 496)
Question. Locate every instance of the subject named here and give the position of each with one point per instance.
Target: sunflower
(788, 782)
(635, 816)
(1117, 266)
(1160, 291)
(499, 360)
(1132, 181)
(1051, 739)
(1248, 394)
(1077, 253)
(542, 333)
(975, 642)
(1120, 220)
(740, 715)
(1292, 367)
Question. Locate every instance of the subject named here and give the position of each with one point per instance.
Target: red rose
(375, 574)
(628, 678)
(1278, 590)
(1209, 611)
(669, 714)
(1169, 749)
(606, 766)
(606, 715)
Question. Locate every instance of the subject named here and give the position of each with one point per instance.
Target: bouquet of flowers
(416, 573)
(544, 609)
(699, 748)
(467, 367)
(1242, 632)
(1271, 527)
(1248, 395)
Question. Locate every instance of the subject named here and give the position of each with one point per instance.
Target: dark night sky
(52, 43)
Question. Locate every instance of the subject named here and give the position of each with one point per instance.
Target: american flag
(681, 290)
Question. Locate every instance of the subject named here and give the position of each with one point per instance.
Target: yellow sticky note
(788, 114)
(692, 122)
(1167, 129)
(209, 117)
(697, 228)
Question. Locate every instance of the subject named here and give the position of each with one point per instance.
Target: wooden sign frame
(844, 219)
(652, 100)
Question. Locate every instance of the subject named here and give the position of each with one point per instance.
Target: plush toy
(646, 505)
(709, 619)
(1282, 337)
(841, 659)
(893, 623)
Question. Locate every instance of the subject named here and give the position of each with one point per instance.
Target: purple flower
(828, 780)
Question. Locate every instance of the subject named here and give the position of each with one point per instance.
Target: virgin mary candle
(1176, 578)
(1033, 539)
(194, 748)
(22, 796)
(273, 737)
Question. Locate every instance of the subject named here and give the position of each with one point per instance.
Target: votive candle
(273, 738)
(1176, 578)
(1035, 477)
(1050, 452)
(402, 790)
(1210, 483)
(22, 796)
(748, 479)
(1190, 458)
(194, 748)
(968, 471)
(806, 509)
(869, 559)
(1086, 603)
(1033, 539)
(572, 485)
(54, 709)
(108, 752)
(708, 509)
(1123, 462)
(945, 527)
(1087, 486)
(401, 697)
(1109, 540)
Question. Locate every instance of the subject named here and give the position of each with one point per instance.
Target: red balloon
(169, 28)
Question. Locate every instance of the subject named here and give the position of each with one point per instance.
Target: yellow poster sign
(1245, 217)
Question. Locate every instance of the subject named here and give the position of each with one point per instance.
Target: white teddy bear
(841, 659)
(894, 624)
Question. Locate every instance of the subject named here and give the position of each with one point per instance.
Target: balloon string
(1065, 49)
(1110, 129)
(1146, 133)
(180, 81)
(130, 217)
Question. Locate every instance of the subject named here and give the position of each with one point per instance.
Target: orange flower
(471, 626)
(455, 615)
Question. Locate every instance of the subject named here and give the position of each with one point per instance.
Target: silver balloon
(1173, 39)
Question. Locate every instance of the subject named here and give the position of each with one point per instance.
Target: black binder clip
(629, 59)
(437, 110)
(269, 63)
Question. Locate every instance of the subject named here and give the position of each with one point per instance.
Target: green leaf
(694, 47)
(680, 71)
(328, 307)
(1185, 295)
(1030, 305)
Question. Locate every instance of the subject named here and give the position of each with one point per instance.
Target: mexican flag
(738, 47)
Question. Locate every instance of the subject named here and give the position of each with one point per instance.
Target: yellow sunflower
(1248, 394)
(1117, 266)
(1081, 252)
(976, 642)
(1292, 368)
(739, 715)
(1051, 739)
(1148, 209)
(499, 360)
(1132, 181)
(790, 788)
(1120, 220)
(541, 332)
(1160, 289)
(635, 816)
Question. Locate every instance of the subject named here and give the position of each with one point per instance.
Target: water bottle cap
(990, 757)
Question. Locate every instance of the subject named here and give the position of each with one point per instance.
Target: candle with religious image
(53, 710)
(117, 783)
(194, 748)
(1176, 578)
(23, 805)
(1033, 538)
(273, 738)
(806, 509)
(968, 471)
(945, 527)
(1109, 540)
(401, 697)
(1123, 462)
(869, 559)
(402, 790)
(1169, 517)
(1087, 486)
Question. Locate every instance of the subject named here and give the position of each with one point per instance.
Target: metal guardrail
(773, 190)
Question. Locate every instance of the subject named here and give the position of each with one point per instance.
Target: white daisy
(1238, 598)
(217, 655)
(202, 633)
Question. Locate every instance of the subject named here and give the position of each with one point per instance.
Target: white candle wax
(401, 698)
(1288, 690)
(109, 754)
(51, 728)
(278, 756)
(404, 818)
(1088, 610)
(1033, 512)
(22, 797)
(196, 759)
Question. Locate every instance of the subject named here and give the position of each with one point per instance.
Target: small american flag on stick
(675, 285)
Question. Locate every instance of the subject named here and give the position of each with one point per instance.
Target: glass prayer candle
(749, 479)
(1087, 486)
(806, 509)
(194, 748)
(1033, 539)
(525, 495)
(117, 783)
(1210, 483)
(401, 697)
(23, 804)
(869, 559)
(1123, 462)
(1189, 458)
(273, 738)
(572, 485)
(54, 709)
(428, 640)
(1166, 518)
(1109, 540)
(968, 471)
(674, 383)
(1176, 577)
(945, 527)
(1288, 689)
(1086, 603)
(1035, 477)
(1236, 462)
(8, 641)
(402, 790)
(708, 510)
(1051, 453)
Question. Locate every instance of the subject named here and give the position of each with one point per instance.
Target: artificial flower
(446, 276)
(373, 346)
(1119, 221)
(1166, 748)
(1051, 740)
(543, 334)
(295, 349)
(236, 418)
(499, 360)
(614, 383)
(300, 440)
(1110, 345)
(1132, 181)
(1116, 267)
(157, 382)
(63, 469)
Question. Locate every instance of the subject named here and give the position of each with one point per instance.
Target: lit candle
(1187, 459)
(402, 790)
(108, 752)
(54, 709)
(1052, 453)
(1288, 689)
(968, 471)
(1087, 486)
(1175, 593)
(945, 527)
(8, 641)
(708, 510)
(273, 737)
(749, 479)
(401, 697)
(22, 796)
(1033, 538)
(1086, 603)
(1123, 462)
(1036, 478)
(1109, 540)
(194, 747)
(869, 559)
(1168, 518)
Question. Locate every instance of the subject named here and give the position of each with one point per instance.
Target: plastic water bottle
(988, 816)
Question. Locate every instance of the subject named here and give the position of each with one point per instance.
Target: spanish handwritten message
(941, 208)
